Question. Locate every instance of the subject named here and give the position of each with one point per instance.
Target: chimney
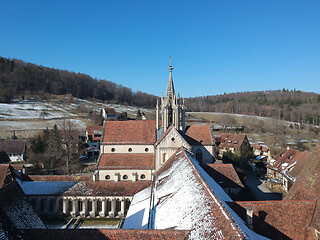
(249, 216)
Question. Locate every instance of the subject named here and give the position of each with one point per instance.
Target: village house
(93, 135)
(261, 152)
(109, 114)
(286, 166)
(231, 142)
(16, 149)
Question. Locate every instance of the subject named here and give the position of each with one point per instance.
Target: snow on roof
(138, 213)
(14, 204)
(46, 188)
(189, 199)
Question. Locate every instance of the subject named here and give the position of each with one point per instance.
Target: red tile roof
(231, 140)
(279, 219)
(110, 234)
(12, 146)
(127, 161)
(307, 184)
(110, 111)
(130, 132)
(224, 174)
(3, 173)
(199, 134)
(259, 147)
(291, 160)
(106, 188)
(92, 130)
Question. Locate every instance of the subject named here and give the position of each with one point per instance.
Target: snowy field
(27, 118)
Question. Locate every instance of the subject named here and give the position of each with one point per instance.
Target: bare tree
(69, 143)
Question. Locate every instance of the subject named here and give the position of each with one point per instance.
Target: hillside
(293, 106)
(18, 78)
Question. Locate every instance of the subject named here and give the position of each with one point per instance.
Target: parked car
(84, 157)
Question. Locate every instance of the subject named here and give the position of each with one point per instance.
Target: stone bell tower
(171, 109)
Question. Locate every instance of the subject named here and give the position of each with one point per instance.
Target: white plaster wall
(124, 148)
(169, 145)
(129, 172)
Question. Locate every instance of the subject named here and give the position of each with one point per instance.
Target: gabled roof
(127, 161)
(259, 147)
(180, 134)
(15, 205)
(106, 188)
(92, 130)
(129, 132)
(231, 140)
(187, 198)
(279, 219)
(307, 184)
(110, 111)
(199, 135)
(108, 234)
(224, 174)
(290, 161)
(12, 146)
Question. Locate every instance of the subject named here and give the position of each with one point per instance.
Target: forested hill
(18, 78)
(297, 106)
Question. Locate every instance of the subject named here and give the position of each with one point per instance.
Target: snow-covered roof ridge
(194, 201)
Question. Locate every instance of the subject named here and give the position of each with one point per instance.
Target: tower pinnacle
(170, 88)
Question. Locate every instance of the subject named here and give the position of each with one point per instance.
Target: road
(259, 189)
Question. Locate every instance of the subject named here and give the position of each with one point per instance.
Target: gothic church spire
(170, 88)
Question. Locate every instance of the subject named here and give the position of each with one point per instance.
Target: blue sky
(216, 46)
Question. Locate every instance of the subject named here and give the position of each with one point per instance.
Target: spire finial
(170, 66)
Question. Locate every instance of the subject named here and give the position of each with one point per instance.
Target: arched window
(164, 158)
(199, 155)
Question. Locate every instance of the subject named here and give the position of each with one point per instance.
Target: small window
(125, 177)
(172, 139)
(146, 149)
(113, 149)
(107, 177)
(143, 176)
(130, 150)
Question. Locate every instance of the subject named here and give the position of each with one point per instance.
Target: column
(74, 207)
(94, 208)
(104, 206)
(65, 206)
(112, 213)
(122, 211)
(84, 207)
